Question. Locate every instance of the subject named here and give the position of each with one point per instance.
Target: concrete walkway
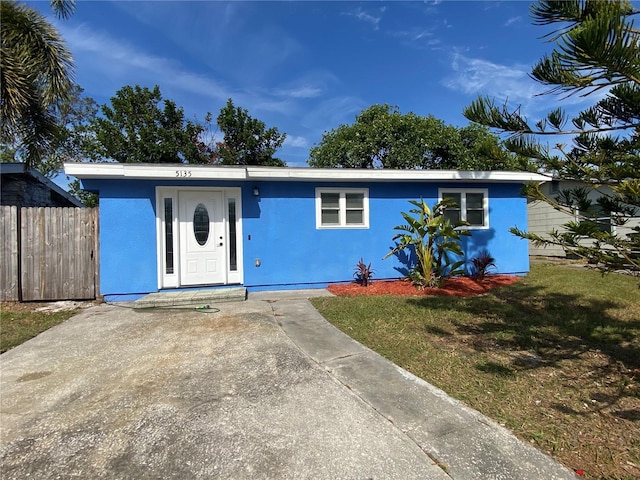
(260, 389)
(464, 442)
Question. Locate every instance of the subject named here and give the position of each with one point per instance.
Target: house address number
(183, 173)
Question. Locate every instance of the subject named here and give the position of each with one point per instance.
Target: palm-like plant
(433, 239)
(35, 73)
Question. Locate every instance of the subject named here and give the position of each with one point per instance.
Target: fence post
(9, 249)
(95, 211)
(19, 256)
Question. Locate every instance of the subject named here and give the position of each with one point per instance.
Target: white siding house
(543, 218)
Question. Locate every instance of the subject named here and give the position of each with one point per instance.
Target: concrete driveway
(259, 389)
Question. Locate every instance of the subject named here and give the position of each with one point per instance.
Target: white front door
(202, 237)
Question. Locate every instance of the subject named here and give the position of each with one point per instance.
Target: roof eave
(207, 172)
(21, 168)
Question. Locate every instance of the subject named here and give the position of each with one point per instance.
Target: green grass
(20, 322)
(555, 357)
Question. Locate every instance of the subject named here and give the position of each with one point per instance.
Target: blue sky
(307, 67)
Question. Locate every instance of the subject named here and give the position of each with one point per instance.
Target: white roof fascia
(94, 170)
(390, 175)
(153, 171)
(186, 172)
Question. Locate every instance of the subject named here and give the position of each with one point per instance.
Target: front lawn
(21, 321)
(554, 357)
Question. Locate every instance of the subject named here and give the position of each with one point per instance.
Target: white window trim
(172, 280)
(166, 280)
(463, 204)
(343, 207)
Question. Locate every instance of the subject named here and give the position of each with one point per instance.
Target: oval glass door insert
(201, 224)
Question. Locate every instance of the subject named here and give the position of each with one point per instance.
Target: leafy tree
(8, 153)
(35, 73)
(484, 151)
(73, 140)
(432, 238)
(136, 129)
(87, 198)
(382, 137)
(597, 49)
(247, 141)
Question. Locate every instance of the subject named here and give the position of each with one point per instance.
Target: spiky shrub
(482, 263)
(363, 273)
(433, 239)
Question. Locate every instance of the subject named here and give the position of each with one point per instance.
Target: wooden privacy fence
(48, 253)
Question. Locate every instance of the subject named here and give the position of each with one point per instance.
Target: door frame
(171, 279)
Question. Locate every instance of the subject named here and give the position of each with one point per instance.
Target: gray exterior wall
(543, 218)
(26, 192)
(28, 188)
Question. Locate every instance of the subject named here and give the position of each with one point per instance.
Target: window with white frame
(472, 206)
(342, 208)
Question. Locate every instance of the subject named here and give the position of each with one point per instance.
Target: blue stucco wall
(281, 223)
(279, 229)
(127, 238)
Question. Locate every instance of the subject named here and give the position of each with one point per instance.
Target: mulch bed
(457, 286)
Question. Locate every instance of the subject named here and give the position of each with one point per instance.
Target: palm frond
(63, 8)
(37, 71)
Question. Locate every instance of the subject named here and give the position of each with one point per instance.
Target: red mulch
(457, 286)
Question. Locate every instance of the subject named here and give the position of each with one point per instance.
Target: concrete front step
(194, 298)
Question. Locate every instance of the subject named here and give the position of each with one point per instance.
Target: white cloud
(418, 37)
(333, 112)
(414, 34)
(105, 57)
(297, 142)
(422, 34)
(474, 76)
(257, 103)
(173, 18)
(223, 35)
(127, 65)
(513, 20)
(303, 91)
(363, 16)
(311, 84)
(111, 61)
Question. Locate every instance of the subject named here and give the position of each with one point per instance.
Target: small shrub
(482, 263)
(363, 273)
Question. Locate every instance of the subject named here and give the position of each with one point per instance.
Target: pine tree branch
(574, 132)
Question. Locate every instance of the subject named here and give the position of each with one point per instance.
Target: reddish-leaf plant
(363, 273)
